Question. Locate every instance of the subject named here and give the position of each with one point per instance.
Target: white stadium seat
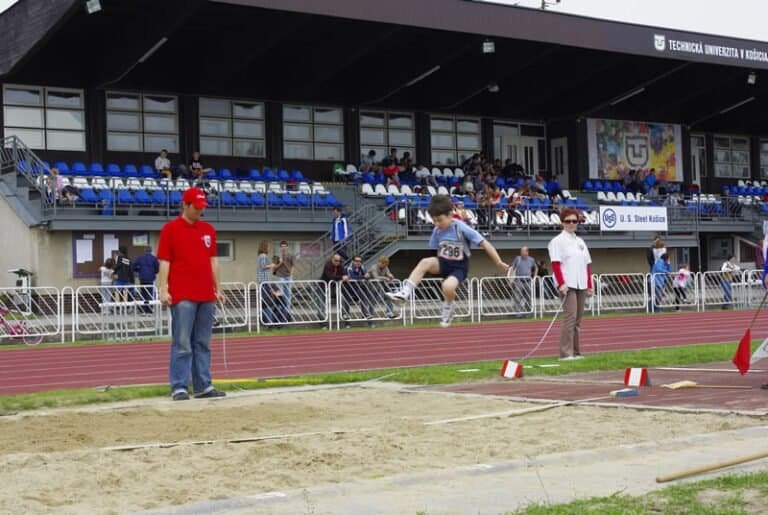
(367, 190)
(381, 190)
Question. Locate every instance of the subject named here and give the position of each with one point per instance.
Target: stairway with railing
(20, 169)
(372, 232)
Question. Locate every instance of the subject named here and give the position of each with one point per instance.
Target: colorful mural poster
(618, 146)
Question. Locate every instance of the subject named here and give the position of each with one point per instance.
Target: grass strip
(435, 374)
(730, 494)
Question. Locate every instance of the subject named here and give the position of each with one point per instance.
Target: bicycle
(18, 329)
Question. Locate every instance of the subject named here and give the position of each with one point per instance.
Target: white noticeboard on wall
(633, 218)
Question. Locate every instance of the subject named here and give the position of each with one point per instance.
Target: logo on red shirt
(207, 240)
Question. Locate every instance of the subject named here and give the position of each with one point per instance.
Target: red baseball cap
(196, 197)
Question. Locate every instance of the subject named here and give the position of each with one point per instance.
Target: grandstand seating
(130, 185)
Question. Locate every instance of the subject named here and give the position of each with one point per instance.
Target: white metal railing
(281, 303)
(505, 296)
(29, 314)
(622, 292)
(674, 290)
(365, 301)
(427, 300)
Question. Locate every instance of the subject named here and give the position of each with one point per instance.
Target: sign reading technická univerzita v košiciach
(633, 218)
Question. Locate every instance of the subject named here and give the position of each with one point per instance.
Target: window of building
(225, 250)
(138, 122)
(382, 130)
(731, 156)
(313, 133)
(764, 159)
(232, 127)
(454, 139)
(45, 118)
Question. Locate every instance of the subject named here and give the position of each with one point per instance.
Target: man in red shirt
(189, 282)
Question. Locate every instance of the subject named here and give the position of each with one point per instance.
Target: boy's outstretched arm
(494, 255)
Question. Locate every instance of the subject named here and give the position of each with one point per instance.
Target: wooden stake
(709, 468)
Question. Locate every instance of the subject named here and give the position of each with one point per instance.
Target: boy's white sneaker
(447, 317)
(399, 297)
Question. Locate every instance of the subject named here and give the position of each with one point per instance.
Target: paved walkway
(500, 487)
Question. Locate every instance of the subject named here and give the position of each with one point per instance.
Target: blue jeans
(285, 289)
(727, 297)
(191, 328)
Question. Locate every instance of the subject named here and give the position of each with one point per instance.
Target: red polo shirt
(189, 247)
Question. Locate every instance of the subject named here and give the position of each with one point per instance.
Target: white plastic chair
(367, 190)
(436, 172)
(305, 188)
(259, 187)
(610, 196)
(601, 196)
(630, 196)
(431, 190)
(99, 183)
(393, 190)
(380, 190)
(246, 186)
(441, 190)
(406, 190)
(620, 196)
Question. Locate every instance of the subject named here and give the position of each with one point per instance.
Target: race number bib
(451, 250)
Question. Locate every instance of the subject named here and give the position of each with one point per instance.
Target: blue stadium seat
(106, 196)
(146, 171)
(273, 199)
(254, 174)
(257, 199)
(159, 197)
(89, 196)
(23, 166)
(332, 201)
(389, 200)
(62, 167)
(141, 197)
(41, 167)
(96, 169)
(588, 186)
(320, 200)
(268, 175)
(78, 168)
(124, 197)
(130, 170)
(227, 199)
(242, 199)
(369, 178)
(297, 176)
(225, 173)
(113, 170)
(302, 200)
(289, 200)
(283, 175)
(175, 197)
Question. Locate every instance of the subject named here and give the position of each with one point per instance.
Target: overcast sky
(740, 18)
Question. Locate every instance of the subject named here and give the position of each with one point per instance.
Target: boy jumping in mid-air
(452, 239)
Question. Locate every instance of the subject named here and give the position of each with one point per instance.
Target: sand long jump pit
(70, 460)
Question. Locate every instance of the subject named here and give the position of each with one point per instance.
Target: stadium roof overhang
(399, 54)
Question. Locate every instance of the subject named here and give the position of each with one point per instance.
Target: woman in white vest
(571, 266)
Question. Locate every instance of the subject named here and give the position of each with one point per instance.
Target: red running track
(272, 355)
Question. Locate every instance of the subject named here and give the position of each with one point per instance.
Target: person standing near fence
(572, 268)
(146, 267)
(340, 233)
(284, 272)
(189, 283)
(680, 284)
(526, 270)
(107, 276)
(264, 267)
(381, 274)
(355, 288)
(727, 275)
(659, 275)
(123, 275)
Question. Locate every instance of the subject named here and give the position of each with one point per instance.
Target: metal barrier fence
(234, 312)
(29, 314)
(364, 301)
(117, 312)
(674, 290)
(722, 289)
(754, 286)
(502, 296)
(427, 300)
(281, 303)
(622, 292)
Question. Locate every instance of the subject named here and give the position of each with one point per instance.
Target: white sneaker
(447, 318)
(567, 358)
(399, 297)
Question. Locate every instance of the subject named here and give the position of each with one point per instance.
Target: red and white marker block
(511, 369)
(636, 377)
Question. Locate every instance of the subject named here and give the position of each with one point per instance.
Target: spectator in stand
(392, 173)
(340, 233)
(538, 187)
(392, 156)
(628, 180)
(660, 274)
(353, 289)
(680, 284)
(146, 267)
(196, 168)
(424, 176)
(653, 252)
(406, 163)
(508, 171)
(107, 277)
(514, 204)
(123, 274)
(638, 184)
(58, 191)
(189, 282)
(572, 267)
(727, 275)
(383, 276)
(284, 271)
(163, 165)
(368, 164)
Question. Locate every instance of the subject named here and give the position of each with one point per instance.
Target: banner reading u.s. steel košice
(617, 146)
(633, 218)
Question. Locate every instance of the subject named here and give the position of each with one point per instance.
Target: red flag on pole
(743, 353)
